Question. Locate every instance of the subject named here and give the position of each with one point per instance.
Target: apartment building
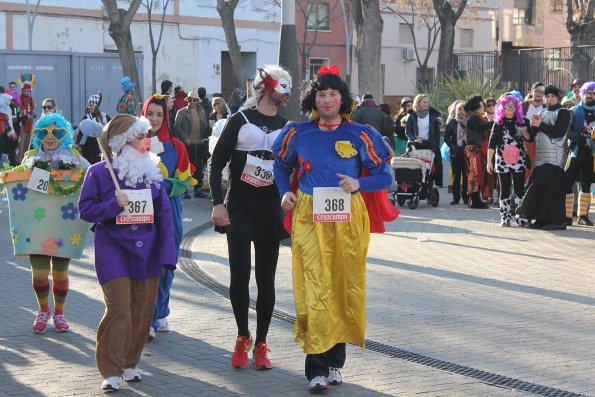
(321, 26)
(531, 24)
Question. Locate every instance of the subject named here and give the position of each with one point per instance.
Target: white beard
(134, 167)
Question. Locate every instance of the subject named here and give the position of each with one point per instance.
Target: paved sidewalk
(446, 283)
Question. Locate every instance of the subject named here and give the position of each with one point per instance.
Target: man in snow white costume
(329, 257)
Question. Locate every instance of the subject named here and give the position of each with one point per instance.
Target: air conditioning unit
(408, 54)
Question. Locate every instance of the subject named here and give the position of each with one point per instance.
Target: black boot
(476, 201)
(584, 221)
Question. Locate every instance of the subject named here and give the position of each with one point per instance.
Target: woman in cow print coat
(507, 143)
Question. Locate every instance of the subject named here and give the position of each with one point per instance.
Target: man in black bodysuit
(251, 212)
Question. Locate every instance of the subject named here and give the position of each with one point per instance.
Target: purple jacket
(135, 251)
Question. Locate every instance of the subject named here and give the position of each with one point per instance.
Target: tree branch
(162, 24)
(569, 15)
(149, 6)
(460, 9)
(129, 14)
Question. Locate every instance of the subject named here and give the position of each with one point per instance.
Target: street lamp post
(288, 57)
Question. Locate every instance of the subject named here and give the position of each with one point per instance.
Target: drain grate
(189, 265)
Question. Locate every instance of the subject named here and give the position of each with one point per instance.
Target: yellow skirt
(329, 277)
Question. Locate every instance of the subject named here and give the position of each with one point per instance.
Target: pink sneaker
(60, 323)
(41, 322)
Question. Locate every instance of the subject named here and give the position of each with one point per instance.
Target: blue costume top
(320, 155)
(579, 134)
(177, 173)
(169, 160)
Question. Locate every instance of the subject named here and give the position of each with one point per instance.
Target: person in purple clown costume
(129, 256)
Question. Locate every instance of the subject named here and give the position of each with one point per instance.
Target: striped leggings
(40, 271)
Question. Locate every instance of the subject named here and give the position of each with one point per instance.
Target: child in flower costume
(43, 214)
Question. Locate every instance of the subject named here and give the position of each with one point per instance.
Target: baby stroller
(413, 179)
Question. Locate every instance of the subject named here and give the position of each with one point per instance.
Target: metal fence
(69, 78)
(519, 69)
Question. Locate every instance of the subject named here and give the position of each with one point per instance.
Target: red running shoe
(261, 361)
(239, 358)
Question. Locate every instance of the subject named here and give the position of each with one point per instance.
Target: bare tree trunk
(368, 27)
(303, 46)
(226, 10)
(581, 27)
(288, 55)
(155, 46)
(149, 6)
(448, 20)
(447, 36)
(119, 30)
(154, 72)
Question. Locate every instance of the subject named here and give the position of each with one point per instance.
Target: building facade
(532, 24)
(193, 51)
(321, 27)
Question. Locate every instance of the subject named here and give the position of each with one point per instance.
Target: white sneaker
(318, 383)
(334, 376)
(522, 221)
(112, 383)
(163, 325)
(131, 375)
(152, 334)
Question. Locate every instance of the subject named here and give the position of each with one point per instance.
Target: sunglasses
(43, 133)
(193, 100)
(47, 107)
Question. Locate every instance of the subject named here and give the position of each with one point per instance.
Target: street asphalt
(456, 306)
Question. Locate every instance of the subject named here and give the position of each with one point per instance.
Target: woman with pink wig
(507, 142)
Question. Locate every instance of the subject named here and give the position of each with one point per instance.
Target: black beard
(590, 103)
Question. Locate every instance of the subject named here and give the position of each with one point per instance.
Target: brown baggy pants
(124, 328)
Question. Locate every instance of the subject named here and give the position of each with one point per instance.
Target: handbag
(445, 152)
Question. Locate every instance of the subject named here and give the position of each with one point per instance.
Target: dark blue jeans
(318, 364)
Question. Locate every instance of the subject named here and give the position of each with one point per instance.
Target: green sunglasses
(42, 133)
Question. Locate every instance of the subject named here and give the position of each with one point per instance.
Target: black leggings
(582, 165)
(506, 181)
(266, 255)
(459, 171)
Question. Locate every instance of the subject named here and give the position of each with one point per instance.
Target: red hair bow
(334, 70)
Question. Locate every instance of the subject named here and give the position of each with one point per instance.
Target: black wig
(473, 103)
(325, 82)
